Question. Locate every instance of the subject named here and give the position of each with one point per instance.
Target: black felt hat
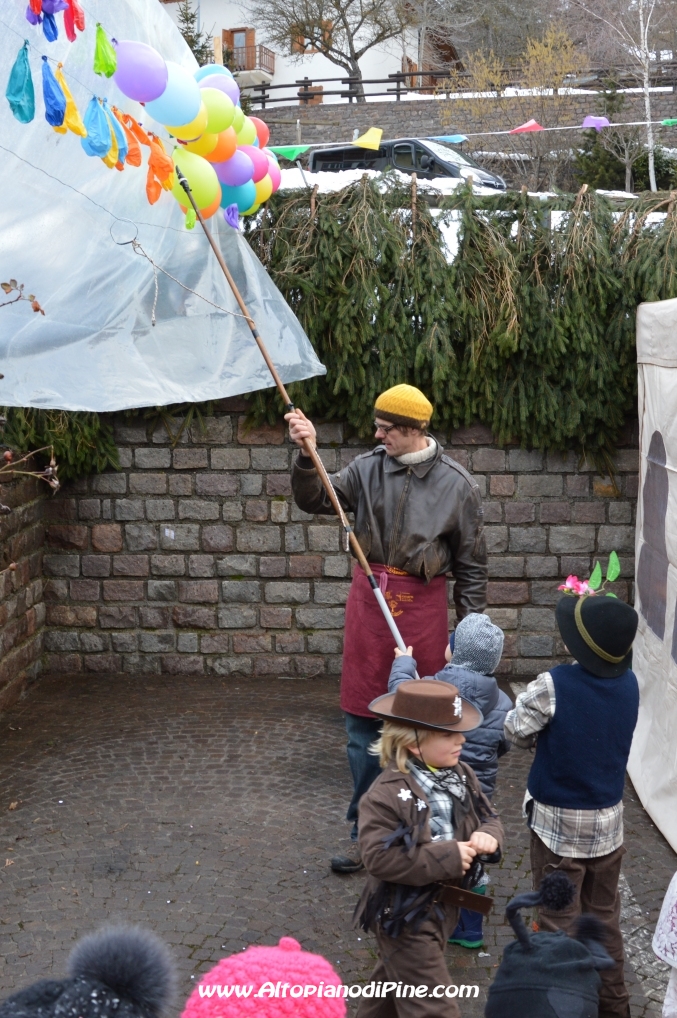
(119, 972)
(598, 630)
(549, 975)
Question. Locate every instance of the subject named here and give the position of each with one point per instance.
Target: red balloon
(262, 132)
(259, 160)
(225, 147)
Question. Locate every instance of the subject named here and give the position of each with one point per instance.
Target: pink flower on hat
(267, 970)
(575, 586)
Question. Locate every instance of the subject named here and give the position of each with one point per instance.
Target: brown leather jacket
(425, 519)
(395, 842)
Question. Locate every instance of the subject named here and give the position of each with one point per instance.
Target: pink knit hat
(273, 982)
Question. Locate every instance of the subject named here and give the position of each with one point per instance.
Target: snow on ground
(293, 179)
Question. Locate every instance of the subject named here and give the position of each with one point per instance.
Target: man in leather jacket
(418, 516)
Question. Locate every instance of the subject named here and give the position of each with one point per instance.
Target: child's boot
(468, 932)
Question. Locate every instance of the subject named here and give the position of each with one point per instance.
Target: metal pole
(308, 448)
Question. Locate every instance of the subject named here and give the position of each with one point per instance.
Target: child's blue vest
(582, 754)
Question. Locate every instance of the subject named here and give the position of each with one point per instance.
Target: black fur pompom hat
(118, 972)
(549, 975)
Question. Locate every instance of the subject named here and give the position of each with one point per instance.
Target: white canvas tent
(653, 760)
(96, 348)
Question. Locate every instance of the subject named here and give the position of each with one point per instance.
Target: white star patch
(404, 794)
(420, 804)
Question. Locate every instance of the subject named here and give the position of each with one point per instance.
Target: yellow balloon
(264, 189)
(200, 175)
(238, 119)
(247, 133)
(193, 130)
(204, 145)
(250, 211)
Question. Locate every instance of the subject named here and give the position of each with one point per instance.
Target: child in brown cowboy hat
(423, 823)
(582, 717)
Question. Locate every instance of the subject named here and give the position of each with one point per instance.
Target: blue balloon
(255, 143)
(181, 100)
(204, 72)
(243, 196)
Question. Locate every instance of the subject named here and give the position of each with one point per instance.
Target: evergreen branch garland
(531, 328)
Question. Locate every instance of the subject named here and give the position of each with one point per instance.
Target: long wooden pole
(308, 447)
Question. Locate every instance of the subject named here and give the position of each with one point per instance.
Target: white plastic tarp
(653, 760)
(95, 348)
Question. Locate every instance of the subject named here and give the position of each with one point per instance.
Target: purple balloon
(141, 73)
(232, 216)
(53, 6)
(224, 84)
(236, 170)
(34, 19)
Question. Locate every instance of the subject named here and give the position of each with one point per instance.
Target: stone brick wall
(194, 559)
(419, 118)
(22, 609)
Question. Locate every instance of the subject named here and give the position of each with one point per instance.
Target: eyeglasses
(385, 428)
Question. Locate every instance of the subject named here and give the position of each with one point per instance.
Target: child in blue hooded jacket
(477, 645)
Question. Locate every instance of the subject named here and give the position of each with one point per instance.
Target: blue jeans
(364, 767)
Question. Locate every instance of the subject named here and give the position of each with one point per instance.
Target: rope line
(138, 249)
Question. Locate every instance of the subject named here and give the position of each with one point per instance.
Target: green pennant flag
(291, 152)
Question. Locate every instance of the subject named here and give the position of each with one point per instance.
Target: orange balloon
(225, 147)
(210, 210)
(204, 145)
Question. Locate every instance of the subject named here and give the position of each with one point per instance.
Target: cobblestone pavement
(208, 811)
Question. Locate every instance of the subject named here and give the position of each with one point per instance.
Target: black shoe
(347, 863)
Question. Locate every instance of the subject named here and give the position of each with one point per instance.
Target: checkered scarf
(445, 790)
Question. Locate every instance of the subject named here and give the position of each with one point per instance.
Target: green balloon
(238, 119)
(220, 110)
(247, 133)
(200, 175)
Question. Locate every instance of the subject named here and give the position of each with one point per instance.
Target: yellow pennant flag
(370, 139)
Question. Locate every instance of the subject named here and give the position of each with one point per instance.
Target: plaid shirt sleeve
(532, 712)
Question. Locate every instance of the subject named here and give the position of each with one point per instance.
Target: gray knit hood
(478, 644)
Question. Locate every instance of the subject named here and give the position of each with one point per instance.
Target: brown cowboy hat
(428, 703)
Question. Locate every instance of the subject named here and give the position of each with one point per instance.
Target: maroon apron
(420, 611)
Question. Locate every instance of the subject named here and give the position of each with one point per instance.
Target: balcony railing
(254, 58)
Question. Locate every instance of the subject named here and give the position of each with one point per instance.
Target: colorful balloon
(243, 196)
(220, 110)
(262, 132)
(180, 102)
(247, 133)
(204, 145)
(236, 171)
(259, 160)
(274, 173)
(192, 131)
(200, 175)
(225, 147)
(264, 189)
(271, 155)
(250, 211)
(141, 73)
(226, 85)
(238, 119)
(204, 72)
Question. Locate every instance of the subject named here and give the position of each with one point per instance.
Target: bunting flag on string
(370, 139)
(20, 92)
(531, 125)
(597, 122)
(55, 100)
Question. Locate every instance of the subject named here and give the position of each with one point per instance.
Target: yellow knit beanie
(404, 404)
